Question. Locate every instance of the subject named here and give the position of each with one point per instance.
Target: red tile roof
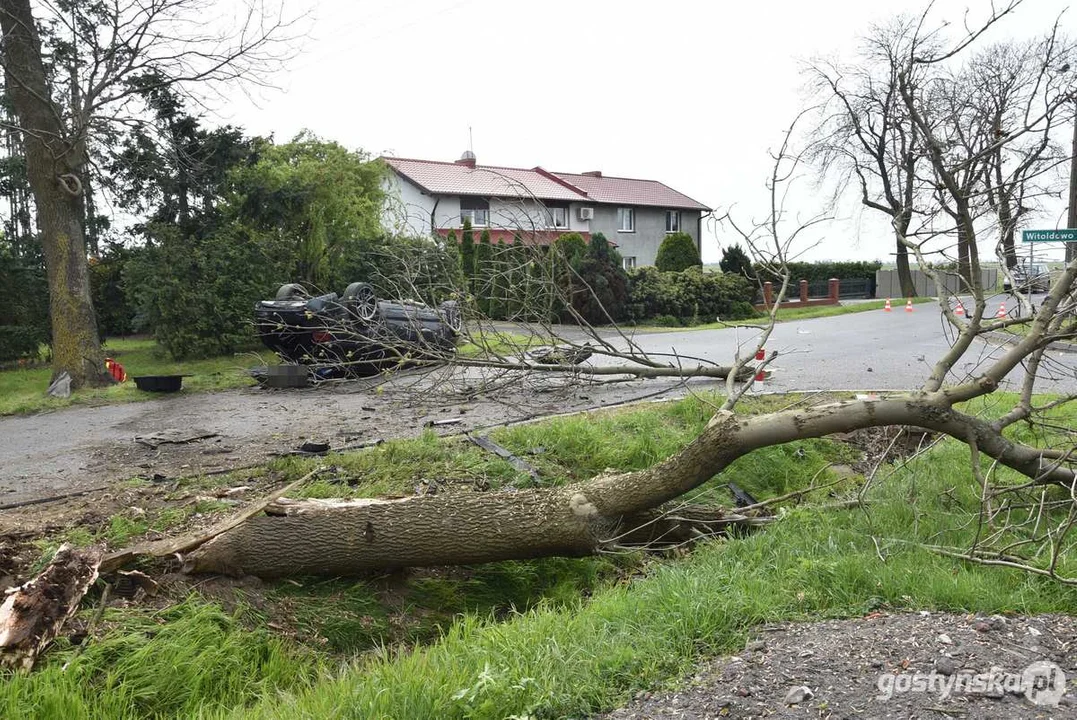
(449, 178)
(452, 178)
(629, 191)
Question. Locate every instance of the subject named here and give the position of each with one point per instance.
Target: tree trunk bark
(348, 538)
(908, 287)
(54, 164)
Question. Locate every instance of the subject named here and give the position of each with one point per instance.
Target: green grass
(791, 314)
(554, 637)
(177, 662)
(23, 389)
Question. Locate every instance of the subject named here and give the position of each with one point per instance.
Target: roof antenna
(468, 158)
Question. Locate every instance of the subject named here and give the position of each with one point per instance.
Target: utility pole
(1071, 220)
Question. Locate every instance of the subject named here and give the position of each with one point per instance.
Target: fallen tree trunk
(346, 538)
(33, 613)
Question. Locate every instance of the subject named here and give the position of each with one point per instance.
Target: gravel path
(925, 665)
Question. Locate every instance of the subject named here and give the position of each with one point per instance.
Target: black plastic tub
(159, 383)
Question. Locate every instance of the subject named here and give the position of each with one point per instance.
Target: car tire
(362, 300)
(291, 291)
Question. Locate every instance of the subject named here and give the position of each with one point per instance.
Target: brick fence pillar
(834, 290)
(768, 294)
(803, 291)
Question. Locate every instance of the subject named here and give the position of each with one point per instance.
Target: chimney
(593, 173)
(468, 159)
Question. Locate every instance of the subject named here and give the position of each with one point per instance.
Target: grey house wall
(649, 234)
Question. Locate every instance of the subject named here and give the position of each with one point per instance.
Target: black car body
(354, 332)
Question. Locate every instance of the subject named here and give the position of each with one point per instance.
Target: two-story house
(433, 197)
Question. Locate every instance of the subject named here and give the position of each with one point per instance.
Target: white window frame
(479, 218)
(673, 221)
(552, 217)
(630, 214)
(629, 262)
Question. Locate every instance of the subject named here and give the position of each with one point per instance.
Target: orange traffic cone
(1001, 310)
(960, 311)
(908, 306)
(887, 307)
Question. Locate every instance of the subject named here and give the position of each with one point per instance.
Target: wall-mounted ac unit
(587, 213)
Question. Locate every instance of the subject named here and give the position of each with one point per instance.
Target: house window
(477, 210)
(673, 221)
(629, 262)
(557, 217)
(626, 220)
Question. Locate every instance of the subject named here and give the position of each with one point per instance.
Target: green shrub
(691, 296)
(198, 296)
(677, 252)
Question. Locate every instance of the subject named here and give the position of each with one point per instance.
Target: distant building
(429, 196)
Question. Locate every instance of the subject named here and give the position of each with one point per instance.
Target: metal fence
(888, 286)
(849, 288)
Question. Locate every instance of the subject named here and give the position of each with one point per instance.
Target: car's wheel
(450, 315)
(291, 291)
(360, 297)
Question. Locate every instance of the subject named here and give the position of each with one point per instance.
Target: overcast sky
(690, 93)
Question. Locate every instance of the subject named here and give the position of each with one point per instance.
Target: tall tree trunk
(901, 226)
(964, 261)
(1008, 228)
(54, 164)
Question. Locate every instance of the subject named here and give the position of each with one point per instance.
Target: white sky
(690, 93)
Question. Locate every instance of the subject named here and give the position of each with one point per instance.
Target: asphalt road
(870, 350)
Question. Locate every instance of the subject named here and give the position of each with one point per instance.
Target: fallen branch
(490, 446)
(34, 612)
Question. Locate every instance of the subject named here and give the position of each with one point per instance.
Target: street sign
(1064, 235)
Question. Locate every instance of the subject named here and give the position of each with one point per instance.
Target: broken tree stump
(33, 613)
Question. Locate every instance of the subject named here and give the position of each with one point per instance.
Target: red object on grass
(116, 370)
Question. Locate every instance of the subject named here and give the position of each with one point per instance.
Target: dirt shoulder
(910, 665)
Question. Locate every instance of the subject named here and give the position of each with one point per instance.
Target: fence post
(803, 291)
(768, 294)
(834, 290)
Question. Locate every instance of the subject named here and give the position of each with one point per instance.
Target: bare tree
(864, 135)
(125, 48)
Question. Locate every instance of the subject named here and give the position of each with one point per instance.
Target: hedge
(815, 272)
(689, 297)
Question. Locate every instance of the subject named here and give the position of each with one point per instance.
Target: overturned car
(354, 333)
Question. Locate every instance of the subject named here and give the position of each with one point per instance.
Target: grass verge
(23, 390)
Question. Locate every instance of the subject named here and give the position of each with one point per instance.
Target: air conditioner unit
(587, 213)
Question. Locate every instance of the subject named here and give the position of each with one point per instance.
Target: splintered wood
(33, 613)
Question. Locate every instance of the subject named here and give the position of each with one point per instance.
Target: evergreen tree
(736, 261)
(484, 273)
(467, 254)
